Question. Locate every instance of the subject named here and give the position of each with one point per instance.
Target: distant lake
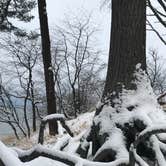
(5, 130)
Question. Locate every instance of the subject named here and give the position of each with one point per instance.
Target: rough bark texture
(127, 45)
(127, 49)
(46, 52)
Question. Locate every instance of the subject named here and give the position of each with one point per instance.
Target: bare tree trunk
(14, 129)
(46, 52)
(74, 101)
(33, 107)
(127, 45)
(127, 49)
(25, 112)
(21, 129)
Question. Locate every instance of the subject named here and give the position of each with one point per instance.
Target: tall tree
(122, 128)
(127, 46)
(127, 49)
(127, 94)
(21, 9)
(156, 12)
(48, 72)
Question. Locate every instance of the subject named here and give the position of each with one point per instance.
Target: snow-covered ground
(131, 108)
(78, 126)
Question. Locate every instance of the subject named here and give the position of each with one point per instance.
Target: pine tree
(17, 9)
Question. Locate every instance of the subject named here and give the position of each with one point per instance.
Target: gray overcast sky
(58, 8)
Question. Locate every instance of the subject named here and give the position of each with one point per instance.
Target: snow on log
(52, 117)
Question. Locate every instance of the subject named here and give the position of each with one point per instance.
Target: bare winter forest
(82, 83)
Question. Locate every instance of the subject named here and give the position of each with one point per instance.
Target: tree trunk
(127, 45)
(33, 107)
(46, 52)
(25, 110)
(127, 49)
(14, 129)
(74, 101)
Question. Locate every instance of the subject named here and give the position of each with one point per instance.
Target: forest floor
(78, 126)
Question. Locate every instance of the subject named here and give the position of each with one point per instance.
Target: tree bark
(127, 45)
(127, 49)
(25, 110)
(33, 106)
(46, 52)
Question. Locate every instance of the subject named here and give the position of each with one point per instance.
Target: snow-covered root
(64, 157)
(112, 148)
(8, 157)
(73, 160)
(40, 150)
(135, 158)
(52, 117)
(115, 145)
(84, 145)
(126, 119)
(123, 134)
(17, 157)
(157, 146)
(62, 143)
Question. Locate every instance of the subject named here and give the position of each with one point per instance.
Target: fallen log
(52, 117)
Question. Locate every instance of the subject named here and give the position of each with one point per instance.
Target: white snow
(139, 159)
(42, 161)
(14, 161)
(117, 143)
(79, 126)
(61, 142)
(8, 157)
(145, 108)
(53, 116)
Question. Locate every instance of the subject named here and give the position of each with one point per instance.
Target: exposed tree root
(131, 132)
(157, 146)
(39, 150)
(1, 163)
(64, 158)
(148, 133)
(130, 128)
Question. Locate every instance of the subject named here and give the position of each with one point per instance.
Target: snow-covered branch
(52, 117)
